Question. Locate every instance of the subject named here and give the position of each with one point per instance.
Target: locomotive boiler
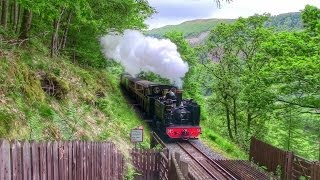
(173, 116)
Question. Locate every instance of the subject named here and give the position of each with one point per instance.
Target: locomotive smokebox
(181, 114)
(179, 97)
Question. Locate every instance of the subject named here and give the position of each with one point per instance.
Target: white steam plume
(137, 53)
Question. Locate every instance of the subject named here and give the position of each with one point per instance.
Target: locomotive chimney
(179, 97)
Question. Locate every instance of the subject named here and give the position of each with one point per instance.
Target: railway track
(202, 163)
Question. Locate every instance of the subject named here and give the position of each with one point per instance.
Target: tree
(236, 69)
(311, 19)
(26, 24)
(4, 13)
(294, 75)
(30, 19)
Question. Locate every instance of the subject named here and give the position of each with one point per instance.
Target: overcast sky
(177, 11)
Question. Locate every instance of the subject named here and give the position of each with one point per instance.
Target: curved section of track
(203, 163)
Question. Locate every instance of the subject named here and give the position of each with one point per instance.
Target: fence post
(5, 163)
(315, 170)
(288, 166)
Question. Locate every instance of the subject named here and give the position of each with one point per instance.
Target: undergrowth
(44, 98)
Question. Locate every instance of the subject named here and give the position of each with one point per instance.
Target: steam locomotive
(173, 116)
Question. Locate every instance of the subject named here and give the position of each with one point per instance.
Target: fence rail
(151, 164)
(292, 166)
(60, 160)
(146, 163)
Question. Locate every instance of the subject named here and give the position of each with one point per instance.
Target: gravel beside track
(200, 145)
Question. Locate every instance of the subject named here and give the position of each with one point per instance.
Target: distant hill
(190, 28)
(199, 28)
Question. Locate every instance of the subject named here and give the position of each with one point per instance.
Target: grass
(27, 112)
(221, 145)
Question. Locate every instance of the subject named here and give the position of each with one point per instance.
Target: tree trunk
(15, 15)
(249, 119)
(235, 117)
(228, 121)
(18, 18)
(4, 13)
(55, 35)
(0, 10)
(10, 13)
(226, 105)
(63, 40)
(26, 24)
(289, 132)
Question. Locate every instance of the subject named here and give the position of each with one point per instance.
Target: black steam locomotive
(178, 117)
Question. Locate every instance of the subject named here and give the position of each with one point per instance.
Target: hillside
(189, 28)
(43, 98)
(194, 28)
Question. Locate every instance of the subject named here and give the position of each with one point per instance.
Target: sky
(178, 11)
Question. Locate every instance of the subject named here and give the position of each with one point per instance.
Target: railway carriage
(176, 117)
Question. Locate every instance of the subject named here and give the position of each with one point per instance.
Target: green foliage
(81, 114)
(104, 17)
(285, 22)
(239, 92)
(131, 173)
(35, 125)
(150, 76)
(6, 122)
(220, 144)
(46, 111)
(311, 22)
(264, 83)
(73, 27)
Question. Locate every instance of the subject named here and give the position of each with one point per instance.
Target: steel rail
(213, 162)
(206, 169)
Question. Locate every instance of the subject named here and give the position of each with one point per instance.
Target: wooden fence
(60, 160)
(146, 163)
(269, 156)
(152, 164)
(164, 163)
(292, 166)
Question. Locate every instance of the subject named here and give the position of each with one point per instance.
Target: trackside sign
(136, 135)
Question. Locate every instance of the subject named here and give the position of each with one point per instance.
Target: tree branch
(297, 104)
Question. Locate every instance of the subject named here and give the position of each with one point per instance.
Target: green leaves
(258, 75)
(311, 19)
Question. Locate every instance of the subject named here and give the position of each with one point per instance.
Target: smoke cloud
(137, 53)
